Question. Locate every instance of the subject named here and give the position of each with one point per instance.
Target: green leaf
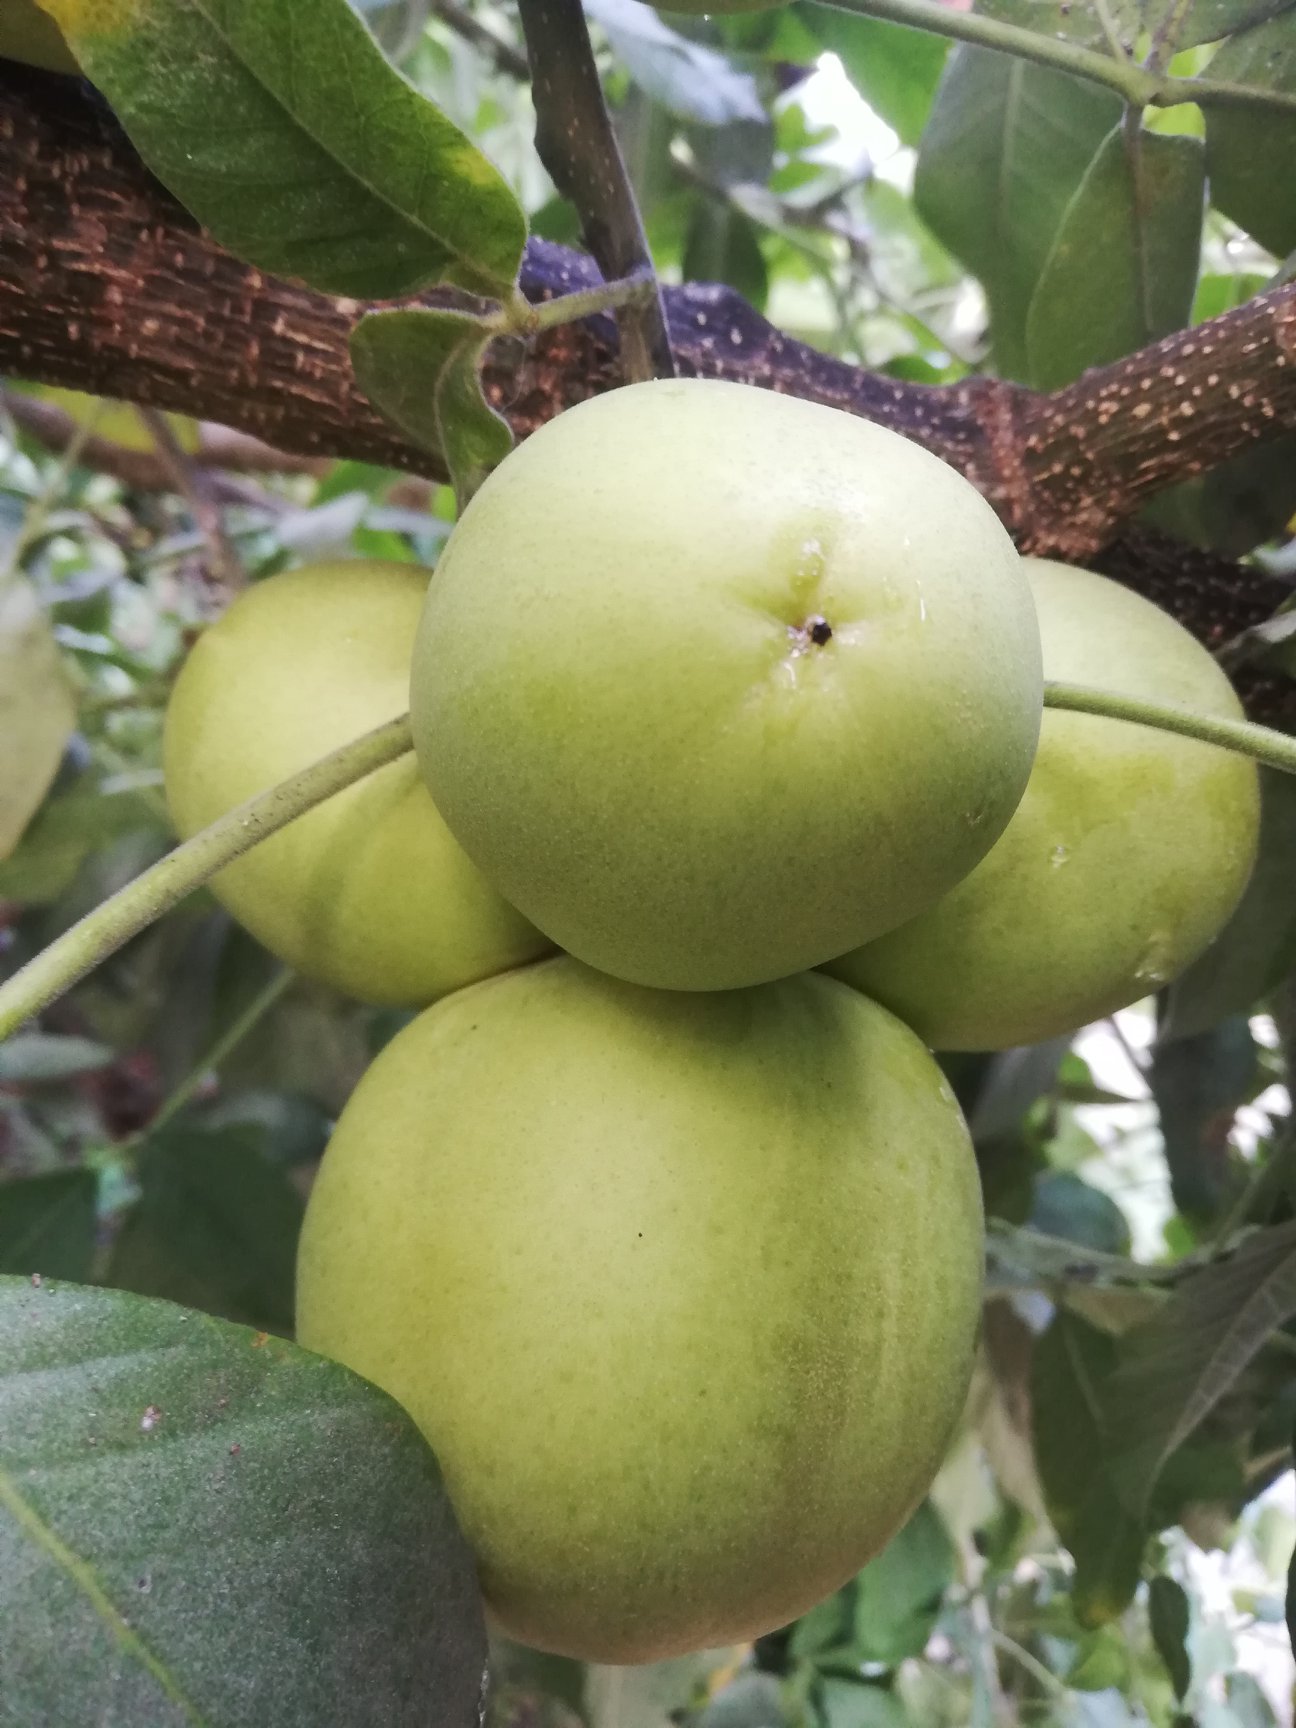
(1198, 1084)
(752, 1701)
(859, 1704)
(39, 1058)
(1168, 1617)
(287, 134)
(651, 1696)
(824, 1627)
(1007, 144)
(1248, 1703)
(422, 369)
(47, 1225)
(721, 246)
(690, 80)
(895, 70)
(1072, 1361)
(1237, 506)
(1101, 1662)
(68, 827)
(1014, 1080)
(1067, 1207)
(201, 1528)
(1257, 947)
(1208, 20)
(898, 1596)
(1123, 264)
(1175, 1368)
(1249, 150)
(215, 1226)
(1072, 20)
(37, 711)
(474, 437)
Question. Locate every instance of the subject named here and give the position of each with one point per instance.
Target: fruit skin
(368, 892)
(1125, 858)
(682, 1289)
(622, 713)
(31, 37)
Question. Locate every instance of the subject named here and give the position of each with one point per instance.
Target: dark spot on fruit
(819, 630)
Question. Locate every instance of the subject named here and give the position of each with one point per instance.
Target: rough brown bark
(107, 285)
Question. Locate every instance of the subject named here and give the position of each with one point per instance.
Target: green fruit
(1126, 856)
(31, 36)
(682, 1289)
(368, 891)
(714, 683)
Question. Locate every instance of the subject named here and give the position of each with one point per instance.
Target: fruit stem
(106, 929)
(1261, 743)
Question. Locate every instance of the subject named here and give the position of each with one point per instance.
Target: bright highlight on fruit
(715, 684)
(682, 1289)
(368, 892)
(1126, 856)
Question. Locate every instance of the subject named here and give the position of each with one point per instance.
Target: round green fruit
(682, 1289)
(369, 891)
(1126, 856)
(31, 36)
(715, 684)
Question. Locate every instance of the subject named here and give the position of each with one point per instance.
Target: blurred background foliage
(932, 212)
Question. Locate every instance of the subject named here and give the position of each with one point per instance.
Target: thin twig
(505, 57)
(195, 488)
(211, 1059)
(578, 145)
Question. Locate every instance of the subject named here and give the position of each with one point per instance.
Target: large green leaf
(1175, 1368)
(1007, 144)
(1072, 1362)
(37, 710)
(47, 1225)
(204, 1528)
(1250, 150)
(286, 132)
(1123, 264)
(215, 1227)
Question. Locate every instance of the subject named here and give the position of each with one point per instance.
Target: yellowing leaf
(92, 17)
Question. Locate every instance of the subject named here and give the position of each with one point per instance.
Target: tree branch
(107, 285)
(578, 145)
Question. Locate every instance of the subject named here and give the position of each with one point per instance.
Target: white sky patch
(863, 136)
